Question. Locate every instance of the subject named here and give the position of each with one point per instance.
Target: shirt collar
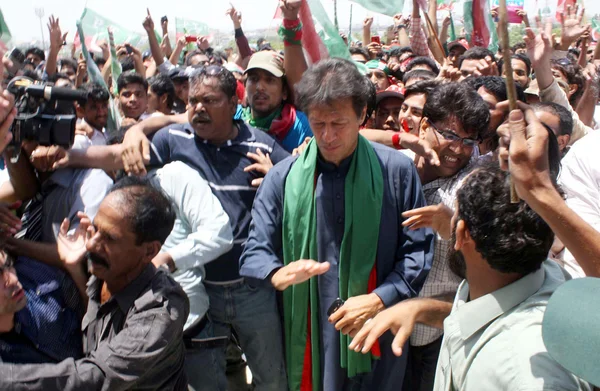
(129, 294)
(324, 166)
(245, 134)
(474, 315)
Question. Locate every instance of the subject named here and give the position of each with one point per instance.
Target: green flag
(5, 35)
(115, 65)
(386, 7)
(114, 117)
(452, 34)
(95, 25)
(192, 27)
(327, 32)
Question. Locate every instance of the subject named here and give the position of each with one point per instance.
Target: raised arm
(294, 61)
(56, 42)
(240, 39)
(157, 53)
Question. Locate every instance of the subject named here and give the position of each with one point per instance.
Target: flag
(386, 7)
(596, 29)
(186, 26)
(445, 5)
(115, 65)
(561, 6)
(5, 35)
(94, 26)
(479, 25)
(320, 38)
(114, 117)
(452, 33)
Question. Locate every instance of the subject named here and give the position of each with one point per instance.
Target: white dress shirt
(580, 179)
(201, 232)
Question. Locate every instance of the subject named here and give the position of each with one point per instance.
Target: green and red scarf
(277, 124)
(357, 274)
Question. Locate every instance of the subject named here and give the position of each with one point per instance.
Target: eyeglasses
(210, 70)
(449, 135)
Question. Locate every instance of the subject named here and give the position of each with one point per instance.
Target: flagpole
(510, 83)
(350, 27)
(335, 18)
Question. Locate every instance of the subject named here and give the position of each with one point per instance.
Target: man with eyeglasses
(454, 118)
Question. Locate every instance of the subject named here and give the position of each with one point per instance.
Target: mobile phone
(191, 38)
(336, 305)
(376, 39)
(129, 49)
(164, 19)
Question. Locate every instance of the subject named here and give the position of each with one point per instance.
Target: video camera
(44, 113)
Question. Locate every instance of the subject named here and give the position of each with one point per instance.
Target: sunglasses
(449, 135)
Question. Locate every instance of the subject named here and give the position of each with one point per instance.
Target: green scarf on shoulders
(363, 194)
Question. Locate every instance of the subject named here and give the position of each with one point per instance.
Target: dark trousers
(420, 370)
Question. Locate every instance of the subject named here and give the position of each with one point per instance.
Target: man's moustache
(97, 260)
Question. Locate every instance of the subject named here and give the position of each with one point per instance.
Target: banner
(445, 5)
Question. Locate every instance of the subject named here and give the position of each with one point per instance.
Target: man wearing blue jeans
(217, 147)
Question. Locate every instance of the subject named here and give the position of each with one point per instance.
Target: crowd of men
(344, 225)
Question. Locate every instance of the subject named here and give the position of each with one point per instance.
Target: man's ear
(79, 110)
(462, 234)
(151, 249)
(423, 127)
(363, 115)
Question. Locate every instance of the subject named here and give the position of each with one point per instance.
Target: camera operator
(7, 110)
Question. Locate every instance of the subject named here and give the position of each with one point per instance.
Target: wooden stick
(510, 83)
(437, 39)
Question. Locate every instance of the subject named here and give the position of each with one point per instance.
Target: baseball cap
(459, 42)
(533, 88)
(570, 327)
(392, 91)
(376, 64)
(271, 62)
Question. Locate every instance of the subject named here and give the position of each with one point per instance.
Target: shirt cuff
(388, 294)
(239, 33)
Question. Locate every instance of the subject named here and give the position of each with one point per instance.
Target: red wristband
(396, 141)
(291, 24)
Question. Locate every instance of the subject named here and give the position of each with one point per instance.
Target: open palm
(71, 247)
(539, 47)
(571, 26)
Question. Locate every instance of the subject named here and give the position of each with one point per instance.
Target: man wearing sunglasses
(454, 118)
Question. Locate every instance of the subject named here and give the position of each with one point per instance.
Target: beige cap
(271, 62)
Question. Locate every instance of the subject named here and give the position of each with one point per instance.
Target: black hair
(332, 80)
(422, 60)
(131, 77)
(33, 75)
(100, 61)
(421, 87)
(37, 52)
(496, 86)
(127, 64)
(161, 84)
(68, 62)
(518, 45)
(397, 52)
(460, 101)
(520, 57)
(476, 53)
(227, 82)
(371, 103)
(150, 212)
(420, 74)
(565, 119)
(57, 76)
(220, 54)
(95, 92)
(361, 51)
(196, 52)
(574, 75)
(512, 238)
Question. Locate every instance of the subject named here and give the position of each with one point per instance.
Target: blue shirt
(223, 168)
(52, 318)
(295, 136)
(403, 256)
